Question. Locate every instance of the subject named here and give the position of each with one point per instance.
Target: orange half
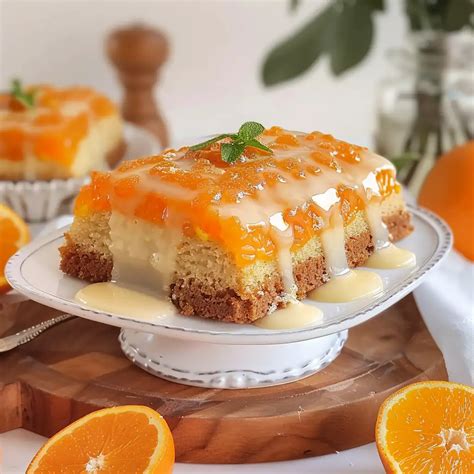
(427, 427)
(124, 439)
(14, 234)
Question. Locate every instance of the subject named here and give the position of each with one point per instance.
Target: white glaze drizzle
(282, 235)
(317, 184)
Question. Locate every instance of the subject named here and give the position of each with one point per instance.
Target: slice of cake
(48, 133)
(235, 227)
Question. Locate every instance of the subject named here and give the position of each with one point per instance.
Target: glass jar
(425, 106)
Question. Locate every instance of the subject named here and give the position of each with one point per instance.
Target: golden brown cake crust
(399, 225)
(192, 298)
(86, 265)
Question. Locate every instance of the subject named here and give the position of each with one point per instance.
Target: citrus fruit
(449, 191)
(427, 427)
(14, 234)
(126, 439)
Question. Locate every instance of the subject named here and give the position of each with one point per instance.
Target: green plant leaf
(205, 144)
(378, 5)
(459, 13)
(299, 52)
(250, 130)
(25, 98)
(404, 159)
(260, 146)
(351, 35)
(294, 4)
(231, 152)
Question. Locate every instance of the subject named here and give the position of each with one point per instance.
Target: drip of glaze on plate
(345, 285)
(390, 257)
(386, 255)
(293, 316)
(349, 286)
(138, 263)
(112, 298)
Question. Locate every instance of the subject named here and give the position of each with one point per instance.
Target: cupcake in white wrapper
(40, 201)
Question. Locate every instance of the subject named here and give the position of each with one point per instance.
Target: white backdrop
(211, 82)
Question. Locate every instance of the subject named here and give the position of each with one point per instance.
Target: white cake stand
(195, 351)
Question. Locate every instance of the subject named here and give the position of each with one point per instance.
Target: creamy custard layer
(103, 138)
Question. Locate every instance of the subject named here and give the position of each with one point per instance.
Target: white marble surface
(18, 447)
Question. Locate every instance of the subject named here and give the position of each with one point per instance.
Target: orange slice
(120, 439)
(427, 427)
(14, 234)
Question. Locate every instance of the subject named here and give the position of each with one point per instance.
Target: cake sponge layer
(206, 281)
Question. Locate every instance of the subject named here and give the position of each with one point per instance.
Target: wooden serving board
(77, 367)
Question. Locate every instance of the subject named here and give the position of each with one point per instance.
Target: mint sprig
(232, 151)
(27, 99)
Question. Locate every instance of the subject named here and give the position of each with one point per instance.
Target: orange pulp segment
(129, 438)
(427, 427)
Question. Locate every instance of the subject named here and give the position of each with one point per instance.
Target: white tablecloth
(18, 447)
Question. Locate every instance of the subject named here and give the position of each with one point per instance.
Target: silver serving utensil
(26, 335)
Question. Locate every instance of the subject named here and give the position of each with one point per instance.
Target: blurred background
(212, 79)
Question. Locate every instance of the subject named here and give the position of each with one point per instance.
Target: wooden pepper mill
(138, 51)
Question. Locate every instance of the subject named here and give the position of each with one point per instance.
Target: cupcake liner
(39, 201)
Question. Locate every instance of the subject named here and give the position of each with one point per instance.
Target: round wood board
(77, 367)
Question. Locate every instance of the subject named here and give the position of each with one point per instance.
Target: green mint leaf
(260, 146)
(231, 152)
(205, 144)
(250, 130)
(25, 98)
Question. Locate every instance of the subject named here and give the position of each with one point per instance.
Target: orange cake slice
(234, 240)
(48, 132)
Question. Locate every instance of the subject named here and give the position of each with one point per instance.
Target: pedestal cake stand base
(231, 366)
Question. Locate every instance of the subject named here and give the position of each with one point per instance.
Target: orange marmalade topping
(307, 177)
(54, 127)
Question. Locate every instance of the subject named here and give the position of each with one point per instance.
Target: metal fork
(10, 342)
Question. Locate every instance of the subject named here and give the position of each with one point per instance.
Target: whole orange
(449, 192)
